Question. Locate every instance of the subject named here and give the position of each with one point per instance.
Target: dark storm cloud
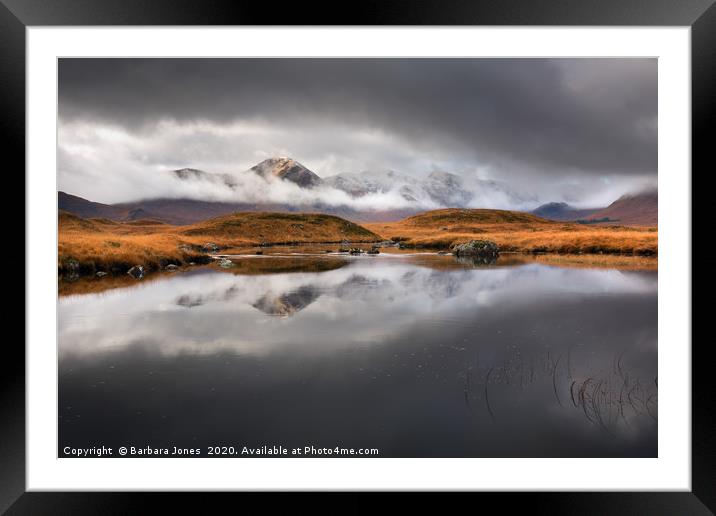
(547, 117)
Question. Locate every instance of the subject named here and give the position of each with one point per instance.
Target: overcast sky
(580, 130)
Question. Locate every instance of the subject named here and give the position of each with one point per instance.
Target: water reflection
(476, 261)
(383, 351)
(287, 303)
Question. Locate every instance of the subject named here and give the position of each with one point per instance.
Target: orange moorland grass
(103, 245)
(518, 232)
(595, 261)
(572, 261)
(255, 228)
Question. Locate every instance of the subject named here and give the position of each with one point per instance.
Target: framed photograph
(423, 252)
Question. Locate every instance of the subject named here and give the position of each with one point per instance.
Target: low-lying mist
(110, 164)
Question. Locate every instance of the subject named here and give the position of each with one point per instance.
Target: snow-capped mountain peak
(287, 169)
(438, 189)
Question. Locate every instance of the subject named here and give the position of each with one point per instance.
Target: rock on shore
(481, 248)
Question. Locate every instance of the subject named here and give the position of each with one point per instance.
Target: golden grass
(102, 245)
(543, 237)
(254, 228)
(517, 231)
(601, 261)
(582, 261)
(116, 250)
(464, 216)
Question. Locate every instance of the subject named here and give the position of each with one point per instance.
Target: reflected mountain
(193, 300)
(288, 304)
(498, 361)
(358, 286)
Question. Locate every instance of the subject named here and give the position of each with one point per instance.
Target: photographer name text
(219, 451)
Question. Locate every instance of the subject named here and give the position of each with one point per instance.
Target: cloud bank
(580, 130)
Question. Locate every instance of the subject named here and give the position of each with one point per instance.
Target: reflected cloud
(366, 302)
(523, 361)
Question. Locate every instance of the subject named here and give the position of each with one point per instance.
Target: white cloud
(112, 163)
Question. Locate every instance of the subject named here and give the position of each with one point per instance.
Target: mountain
(372, 196)
(411, 194)
(88, 209)
(370, 182)
(189, 211)
(563, 211)
(289, 303)
(436, 190)
(447, 189)
(179, 211)
(288, 170)
(171, 211)
(641, 209)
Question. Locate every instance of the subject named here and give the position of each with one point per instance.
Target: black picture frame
(700, 15)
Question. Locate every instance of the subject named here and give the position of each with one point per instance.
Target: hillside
(465, 217)
(516, 231)
(70, 222)
(189, 211)
(262, 227)
(635, 210)
(170, 211)
(87, 209)
(180, 212)
(86, 246)
(563, 212)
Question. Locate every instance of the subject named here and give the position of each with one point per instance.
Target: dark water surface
(417, 357)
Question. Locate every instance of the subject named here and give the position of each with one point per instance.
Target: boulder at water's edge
(482, 248)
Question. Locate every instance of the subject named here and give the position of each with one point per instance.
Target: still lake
(415, 355)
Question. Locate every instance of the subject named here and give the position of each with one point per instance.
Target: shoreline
(88, 267)
(92, 246)
(317, 262)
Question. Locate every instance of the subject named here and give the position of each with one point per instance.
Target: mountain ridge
(411, 195)
(639, 209)
(563, 212)
(287, 169)
(184, 211)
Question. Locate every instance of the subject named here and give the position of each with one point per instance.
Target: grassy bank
(86, 246)
(517, 232)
